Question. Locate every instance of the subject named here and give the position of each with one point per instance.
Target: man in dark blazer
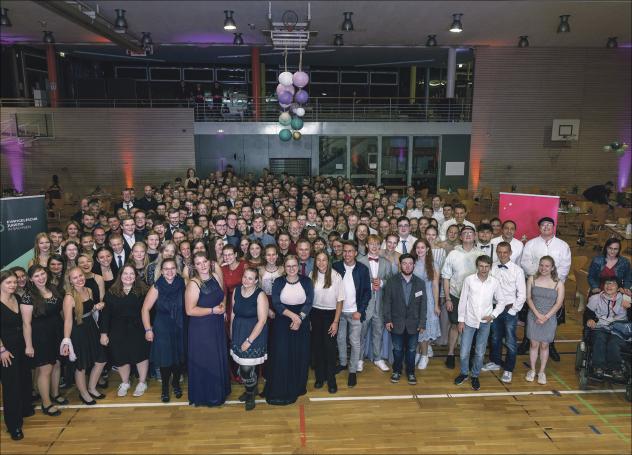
(356, 281)
(404, 304)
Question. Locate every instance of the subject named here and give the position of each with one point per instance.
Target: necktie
(303, 268)
(404, 250)
(119, 261)
(502, 266)
(374, 259)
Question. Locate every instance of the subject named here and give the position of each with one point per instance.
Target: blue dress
(167, 349)
(209, 383)
(433, 324)
(244, 320)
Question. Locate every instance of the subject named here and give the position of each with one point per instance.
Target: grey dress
(544, 299)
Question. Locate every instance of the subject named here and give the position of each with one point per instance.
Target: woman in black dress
(43, 328)
(292, 297)
(105, 265)
(57, 270)
(81, 336)
(94, 282)
(192, 181)
(15, 372)
(122, 329)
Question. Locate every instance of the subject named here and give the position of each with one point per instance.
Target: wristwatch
(301, 315)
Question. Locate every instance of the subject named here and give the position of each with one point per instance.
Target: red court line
(301, 419)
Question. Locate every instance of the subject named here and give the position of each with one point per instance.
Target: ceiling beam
(99, 25)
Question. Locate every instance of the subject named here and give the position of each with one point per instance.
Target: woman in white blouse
(328, 299)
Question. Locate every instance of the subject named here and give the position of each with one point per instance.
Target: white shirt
(512, 285)
(556, 248)
(450, 222)
(414, 213)
(476, 300)
(516, 249)
(116, 257)
(350, 305)
(373, 265)
(326, 299)
(409, 241)
(129, 239)
(458, 265)
(438, 215)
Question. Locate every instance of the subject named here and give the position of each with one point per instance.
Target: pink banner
(526, 210)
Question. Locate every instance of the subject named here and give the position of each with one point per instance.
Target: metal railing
(323, 109)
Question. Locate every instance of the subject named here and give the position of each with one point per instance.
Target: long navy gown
(209, 383)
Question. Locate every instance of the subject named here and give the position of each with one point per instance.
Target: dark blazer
(278, 286)
(119, 205)
(146, 204)
(411, 317)
(362, 281)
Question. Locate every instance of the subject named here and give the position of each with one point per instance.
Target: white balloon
(300, 111)
(285, 78)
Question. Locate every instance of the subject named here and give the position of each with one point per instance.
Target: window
(131, 72)
(384, 78)
(324, 77)
(165, 74)
(425, 162)
(332, 155)
(197, 74)
(363, 159)
(231, 75)
(354, 77)
(394, 160)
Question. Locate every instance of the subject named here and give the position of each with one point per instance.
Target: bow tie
(484, 246)
(374, 259)
(503, 266)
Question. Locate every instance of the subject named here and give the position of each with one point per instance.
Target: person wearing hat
(459, 264)
(546, 244)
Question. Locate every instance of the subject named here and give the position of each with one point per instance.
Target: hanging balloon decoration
(292, 98)
(617, 147)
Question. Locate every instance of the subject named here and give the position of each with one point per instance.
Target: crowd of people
(226, 279)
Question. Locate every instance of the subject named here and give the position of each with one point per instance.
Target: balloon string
(300, 60)
(285, 56)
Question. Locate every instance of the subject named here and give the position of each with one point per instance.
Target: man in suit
(380, 271)
(404, 307)
(127, 203)
(120, 255)
(174, 223)
(356, 281)
(129, 234)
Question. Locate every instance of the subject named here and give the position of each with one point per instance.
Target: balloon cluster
(292, 96)
(617, 147)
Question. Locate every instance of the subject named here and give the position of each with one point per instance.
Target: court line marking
(301, 424)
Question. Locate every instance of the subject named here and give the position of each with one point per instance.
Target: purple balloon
(285, 98)
(301, 97)
(284, 88)
(300, 79)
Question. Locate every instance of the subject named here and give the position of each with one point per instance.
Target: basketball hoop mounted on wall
(289, 19)
(290, 33)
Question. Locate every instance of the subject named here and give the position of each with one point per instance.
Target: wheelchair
(583, 365)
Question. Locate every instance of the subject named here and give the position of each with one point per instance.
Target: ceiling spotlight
(338, 40)
(48, 37)
(347, 24)
(120, 24)
(4, 18)
(612, 43)
(524, 42)
(229, 22)
(564, 26)
(456, 26)
(238, 40)
(432, 41)
(146, 40)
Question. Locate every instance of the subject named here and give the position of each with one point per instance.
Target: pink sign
(526, 210)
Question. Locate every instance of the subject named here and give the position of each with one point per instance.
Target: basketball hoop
(290, 19)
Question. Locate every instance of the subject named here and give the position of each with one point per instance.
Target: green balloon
(285, 135)
(297, 123)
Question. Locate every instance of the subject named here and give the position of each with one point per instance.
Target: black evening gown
(121, 320)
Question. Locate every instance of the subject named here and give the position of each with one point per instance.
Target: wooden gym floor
(376, 416)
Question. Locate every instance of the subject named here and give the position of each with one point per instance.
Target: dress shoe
(524, 347)
(449, 361)
(553, 353)
(332, 387)
(340, 368)
(87, 403)
(177, 391)
(319, 384)
(17, 435)
(353, 380)
(99, 396)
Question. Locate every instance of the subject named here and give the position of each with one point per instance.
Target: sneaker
(122, 389)
(140, 389)
(360, 366)
(542, 378)
(460, 379)
(449, 361)
(507, 376)
(395, 378)
(412, 380)
(423, 362)
(430, 352)
(490, 366)
(381, 364)
(476, 385)
(530, 377)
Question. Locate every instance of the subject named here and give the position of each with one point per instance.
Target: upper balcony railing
(324, 109)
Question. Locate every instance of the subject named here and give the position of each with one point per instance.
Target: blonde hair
(70, 290)
(36, 250)
(554, 276)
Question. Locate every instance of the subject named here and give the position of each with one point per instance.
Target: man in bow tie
(512, 285)
(484, 239)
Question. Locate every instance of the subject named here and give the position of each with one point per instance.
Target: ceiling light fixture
(347, 24)
(146, 40)
(238, 40)
(564, 26)
(229, 22)
(457, 26)
(338, 41)
(524, 41)
(432, 41)
(48, 37)
(120, 24)
(612, 43)
(4, 18)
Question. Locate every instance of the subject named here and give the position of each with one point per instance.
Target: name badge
(419, 294)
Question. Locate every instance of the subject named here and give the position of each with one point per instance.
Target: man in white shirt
(546, 244)
(406, 241)
(512, 285)
(476, 313)
(460, 263)
(460, 212)
(508, 231)
(437, 210)
(116, 243)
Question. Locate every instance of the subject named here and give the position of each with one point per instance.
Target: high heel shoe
(48, 412)
(87, 403)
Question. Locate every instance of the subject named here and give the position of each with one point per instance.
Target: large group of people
(228, 279)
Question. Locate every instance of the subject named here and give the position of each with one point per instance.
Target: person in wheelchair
(605, 315)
